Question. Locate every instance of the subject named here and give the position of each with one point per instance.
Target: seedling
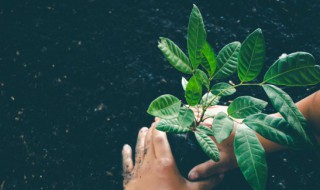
(247, 59)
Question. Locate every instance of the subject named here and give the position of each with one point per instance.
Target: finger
(156, 119)
(161, 144)
(204, 170)
(127, 164)
(140, 145)
(208, 183)
(149, 150)
(210, 168)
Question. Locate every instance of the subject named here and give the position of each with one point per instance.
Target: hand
(155, 166)
(227, 157)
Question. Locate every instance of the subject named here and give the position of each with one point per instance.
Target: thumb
(208, 183)
(204, 170)
(209, 168)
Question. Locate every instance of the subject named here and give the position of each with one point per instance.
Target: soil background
(76, 79)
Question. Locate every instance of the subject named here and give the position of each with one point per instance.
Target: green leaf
(296, 69)
(193, 91)
(245, 106)
(223, 89)
(165, 107)
(186, 117)
(205, 130)
(250, 156)
(175, 56)
(227, 60)
(196, 37)
(251, 56)
(209, 61)
(208, 146)
(283, 103)
(171, 126)
(184, 83)
(272, 128)
(210, 98)
(203, 78)
(222, 126)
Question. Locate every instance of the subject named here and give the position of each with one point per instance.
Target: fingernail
(126, 147)
(193, 175)
(144, 129)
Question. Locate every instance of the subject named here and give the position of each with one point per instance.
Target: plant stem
(204, 108)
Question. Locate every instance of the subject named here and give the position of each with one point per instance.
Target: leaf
(227, 60)
(283, 103)
(205, 130)
(222, 126)
(186, 117)
(193, 91)
(245, 106)
(250, 156)
(171, 126)
(208, 146)
(203, 78)
(184, 83)
(272, 128)
(223, 89)
(196, 37)
(210, 98)
(165, 107)
(251, 56)
(209, 61)
(175, 55)
(296, 69)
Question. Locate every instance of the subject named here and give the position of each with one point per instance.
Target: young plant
(247, 59)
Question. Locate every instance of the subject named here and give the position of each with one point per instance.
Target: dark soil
(76, 79)
(186, 151)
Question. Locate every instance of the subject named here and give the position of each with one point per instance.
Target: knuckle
(165, 162)
(159, 139)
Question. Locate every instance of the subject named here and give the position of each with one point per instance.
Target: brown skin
(155, 167)
(309, 107)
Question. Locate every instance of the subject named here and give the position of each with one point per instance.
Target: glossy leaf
(209, 98)
(196, 37)
(272, 128)
(250, 156)
(209, 61)
(251, 56)
(205, 130)
(165, 107)
(184, 83)
(245, 106)
(208, 146)
(223, 89)
(203, 78)
(171, 126)
(222, 126)
(193, 91)
(283, 103)
(186, 117)
(175, 56)
(296, 69)
(227, 60)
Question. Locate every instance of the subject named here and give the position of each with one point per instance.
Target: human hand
(155, 166)
(227, 156)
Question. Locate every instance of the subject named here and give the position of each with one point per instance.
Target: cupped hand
(155, 167)
(227, 156)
